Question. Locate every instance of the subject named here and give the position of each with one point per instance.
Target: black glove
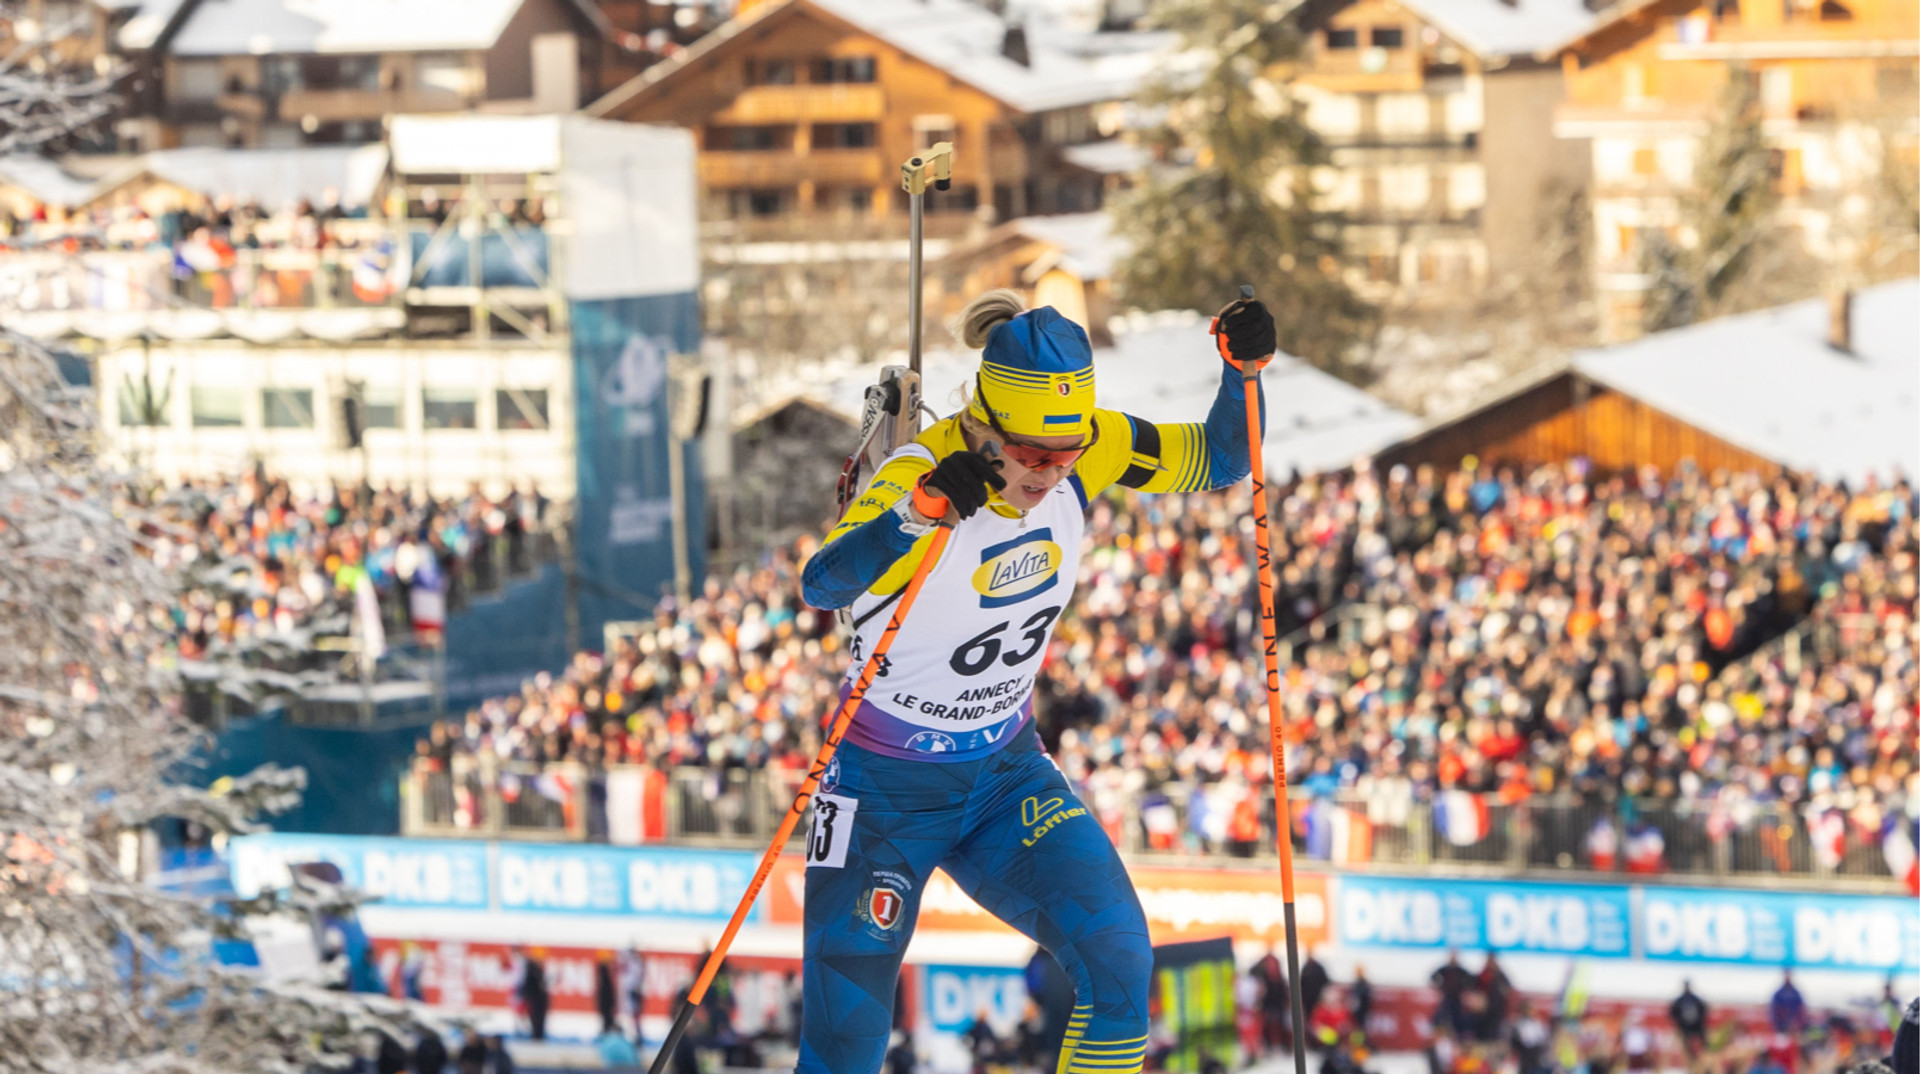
(1246, 330)
(963, 479)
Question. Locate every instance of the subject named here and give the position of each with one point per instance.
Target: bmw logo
(932, 742)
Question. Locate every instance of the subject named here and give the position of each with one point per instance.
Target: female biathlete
(942, 766)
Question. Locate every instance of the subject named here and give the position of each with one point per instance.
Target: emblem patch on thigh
(831, 830)
(882, 905)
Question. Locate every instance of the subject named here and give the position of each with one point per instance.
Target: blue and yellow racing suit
(942, 766)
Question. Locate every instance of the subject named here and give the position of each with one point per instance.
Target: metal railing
(1678, 839)
(128, 281)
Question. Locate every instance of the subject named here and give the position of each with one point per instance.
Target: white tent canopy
(275, 178)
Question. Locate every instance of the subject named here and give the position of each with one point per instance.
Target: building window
(280, 75)
(765, 202)
(520, 409)
(844, 136)
(141, 404)
(770, 73)
(381, 409)
(1388, 37)
(844, 198)
(217, 408)
(759, 139)
(1896, 81)
(340, 72)
(448, 408)
(196, 80)
(1343, 39)
(1783, 165)
(843, 69)
(931, 130)
(286, 408)
(447, 72)
(963, 198)
(1646, 161)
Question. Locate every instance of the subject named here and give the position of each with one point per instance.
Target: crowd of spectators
(1476, 1021)
(264, 563)
(1519, 636)
(214, 243)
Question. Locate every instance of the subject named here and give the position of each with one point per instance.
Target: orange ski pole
(1263, 552)
(805, 795)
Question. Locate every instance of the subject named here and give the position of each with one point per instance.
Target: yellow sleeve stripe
(1191, 472)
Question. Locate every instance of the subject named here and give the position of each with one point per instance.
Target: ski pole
(1263, 559)
(800, 800)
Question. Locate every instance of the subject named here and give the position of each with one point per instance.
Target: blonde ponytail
(983, 313)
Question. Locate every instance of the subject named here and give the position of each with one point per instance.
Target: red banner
(479, 976)
(1181, 904)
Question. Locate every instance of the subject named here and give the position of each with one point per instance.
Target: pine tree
(1730, 255)
(1237, 204)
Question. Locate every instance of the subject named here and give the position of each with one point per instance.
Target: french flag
(1897, 843)
(1338, 833)
(1646, 850)
(1462, 817)
(1828, 832)
(1352, 836)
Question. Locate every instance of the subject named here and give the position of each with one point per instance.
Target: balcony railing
(161, 279)
(737, 168)
(841, 103)
(1675, 839)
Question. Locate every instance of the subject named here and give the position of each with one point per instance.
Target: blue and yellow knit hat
(1037, 373)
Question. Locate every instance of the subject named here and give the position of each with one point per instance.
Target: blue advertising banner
(624, 517)
(661, 882)
(1380, 911)
(956, 995)
(1771, 928)
(694, 885)
(413, 873)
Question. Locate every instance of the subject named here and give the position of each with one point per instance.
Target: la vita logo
(1012, 571)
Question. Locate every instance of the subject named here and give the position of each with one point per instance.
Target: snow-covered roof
(260, 27)
(1164, 368)
(45, 181)
(143, 29)
(965, 39)
(1066, 68)
(1491, 28)
(1768, 382)
(1111, 157)
(1088, 248)
(272, 177)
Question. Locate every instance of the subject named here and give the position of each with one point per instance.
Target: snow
(1490, 28)
(1163, 367)
(46, 181)
(1769, 382)
(1088, 248)
(1067, 68)
(1111, 157)
(274, 177)
(143, 29)
(262, 27)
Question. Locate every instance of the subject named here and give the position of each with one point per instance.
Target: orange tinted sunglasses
(1030, 455)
